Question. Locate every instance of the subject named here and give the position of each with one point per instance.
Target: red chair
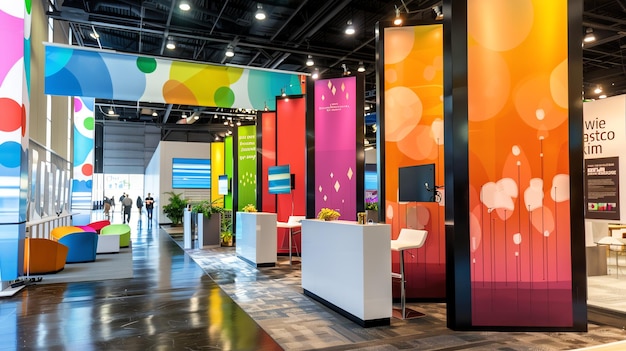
(98, 225)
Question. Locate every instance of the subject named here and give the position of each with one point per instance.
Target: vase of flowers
(327, 214)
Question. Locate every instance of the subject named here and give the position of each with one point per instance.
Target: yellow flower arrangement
(327, 214)
(249, 208)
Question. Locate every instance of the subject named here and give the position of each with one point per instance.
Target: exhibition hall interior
(304, 174)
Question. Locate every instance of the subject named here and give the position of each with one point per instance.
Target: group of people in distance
(127, 205)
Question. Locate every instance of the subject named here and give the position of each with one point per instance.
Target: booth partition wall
(513, 145)
(411, 126)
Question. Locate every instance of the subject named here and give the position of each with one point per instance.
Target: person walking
(139, 205)
(149, 201)
(127, 205)
(122, 204)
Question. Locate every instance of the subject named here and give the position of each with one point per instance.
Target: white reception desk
(347, 267)
(256, 238)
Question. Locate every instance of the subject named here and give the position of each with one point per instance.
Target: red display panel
(291, 150)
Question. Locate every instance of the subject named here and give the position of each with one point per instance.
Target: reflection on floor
(172, 303)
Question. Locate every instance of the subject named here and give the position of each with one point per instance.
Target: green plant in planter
(226, 234)
(207, 208)
(175, 208)
(371, 206)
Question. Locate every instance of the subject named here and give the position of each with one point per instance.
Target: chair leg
(405, 313)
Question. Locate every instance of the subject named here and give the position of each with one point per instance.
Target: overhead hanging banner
(74, 71)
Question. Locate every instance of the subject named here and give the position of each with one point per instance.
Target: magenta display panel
(335, 145)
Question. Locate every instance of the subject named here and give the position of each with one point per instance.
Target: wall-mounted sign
(602, 188)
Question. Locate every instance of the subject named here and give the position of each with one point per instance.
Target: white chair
(294, 225)
(408, 239)
(617, 245)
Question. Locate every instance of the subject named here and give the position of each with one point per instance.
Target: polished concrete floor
(169, 304)
(209, 300)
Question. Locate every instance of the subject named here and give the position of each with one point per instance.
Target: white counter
(255, 236)
(347, 267)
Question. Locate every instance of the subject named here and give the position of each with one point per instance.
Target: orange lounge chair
(43, 256)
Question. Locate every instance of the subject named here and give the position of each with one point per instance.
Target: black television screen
(417, 183)
(222, 184)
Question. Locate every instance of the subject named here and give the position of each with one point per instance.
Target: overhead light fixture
(316, 74)
(398, 20)
(260, 14)
(603, 96)
(217, 137)
(589, 36)
(171, 44)
(229, 51)
(309, 61)
(154, 114)
(266, 108)
(238, 123)
(94, 34)
(345, 69)
(361, 67)
(111, 111)
(184, 5)
(350, 28)
(225, 123)
(184, 115)
(282, 93)
(438, 13)
(597, 90)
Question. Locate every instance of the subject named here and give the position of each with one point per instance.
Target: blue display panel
(279, 179)
(191, 173)
(371, 177)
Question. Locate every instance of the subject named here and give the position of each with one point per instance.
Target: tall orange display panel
(513, 154)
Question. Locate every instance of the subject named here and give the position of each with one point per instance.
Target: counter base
(364, 323)
(266, 264)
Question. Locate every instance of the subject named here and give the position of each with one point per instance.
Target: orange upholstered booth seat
(43, 256)
(59, 232)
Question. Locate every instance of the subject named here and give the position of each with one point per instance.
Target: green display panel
(228, 169)
(246, 160)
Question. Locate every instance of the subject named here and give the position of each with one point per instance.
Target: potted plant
(208, 226)
(175, 207)
(227, 234)
(207, 208)
(371, 209)
(249, 208)
(326, 214)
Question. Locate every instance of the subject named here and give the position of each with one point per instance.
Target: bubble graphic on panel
(224, 96)
(11, 152)
(87, 170)
(11, 115)
(78, 105)
(146, 64)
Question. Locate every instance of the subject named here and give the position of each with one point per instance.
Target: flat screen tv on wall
(222, 184)
(279, 179)
(417, 183)
(191, 173)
